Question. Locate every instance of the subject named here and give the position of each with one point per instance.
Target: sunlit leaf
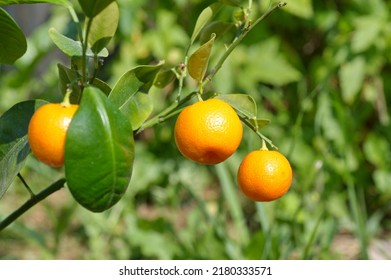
(103, 27)
(71, 47)
(12, 40)
(203, 19)
(93, 7)
(127, 93)
(300, 8)
(99, 152)
(198, 61)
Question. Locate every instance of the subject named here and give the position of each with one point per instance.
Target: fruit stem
(31, 202)
(66, 102)
(264, 147)
(255, 129)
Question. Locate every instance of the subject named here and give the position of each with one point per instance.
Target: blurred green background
(319, 70)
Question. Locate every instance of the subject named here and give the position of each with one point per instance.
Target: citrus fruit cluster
(209, 132)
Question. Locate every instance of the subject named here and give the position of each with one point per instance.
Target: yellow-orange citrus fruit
(208, 132)
(47, 131)
(264, 175)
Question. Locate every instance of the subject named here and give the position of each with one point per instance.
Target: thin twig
(31, 202)
(26, 185)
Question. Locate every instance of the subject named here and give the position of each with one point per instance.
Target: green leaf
(198, 61)
(164, 78)
(265, 63)
(260, 123)
(70, 77)
(92, 8)
(382, 178)
(203, 19)
(243, 103)
(127, 94)
(14, 146)
(235, 3)
(71, 47)
(12, 40)
(99, 152)
(368, 30)
(216, 27)
(352, 76)
(300, 8)
(103, 27)
(13, 2)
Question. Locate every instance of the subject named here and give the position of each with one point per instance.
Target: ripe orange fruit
(208, 132)
(264, 175)
(47, 131)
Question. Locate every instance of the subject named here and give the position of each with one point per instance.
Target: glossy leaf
(103, 27)
(12, 2)
(198, 61)
(99, 152)
(12, 40)
(71, 47)
(127, 94)
(92, 8)
(14, 147)
(216, 27)
(203, 19)
(243, 103)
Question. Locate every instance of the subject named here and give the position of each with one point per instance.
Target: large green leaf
(93, 7)
(99, 152)
(71, 47)
(12, 40)
(103, 27)
(198, 61)
(203, 19)
(129, 93)
(14, 146)
(12, 2)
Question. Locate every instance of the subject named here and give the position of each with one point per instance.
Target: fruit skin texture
(264, 175)
(47, 132)
(208, 132)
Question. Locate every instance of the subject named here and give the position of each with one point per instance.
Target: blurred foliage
(320, 70)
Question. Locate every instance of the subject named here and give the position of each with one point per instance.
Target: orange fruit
(264, 175)
(208, 132)
(47, 131)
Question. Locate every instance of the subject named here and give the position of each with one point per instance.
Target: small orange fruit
(208, 132)
(47, 131)
(264, 175)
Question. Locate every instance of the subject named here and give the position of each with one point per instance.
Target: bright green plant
(99, 149)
